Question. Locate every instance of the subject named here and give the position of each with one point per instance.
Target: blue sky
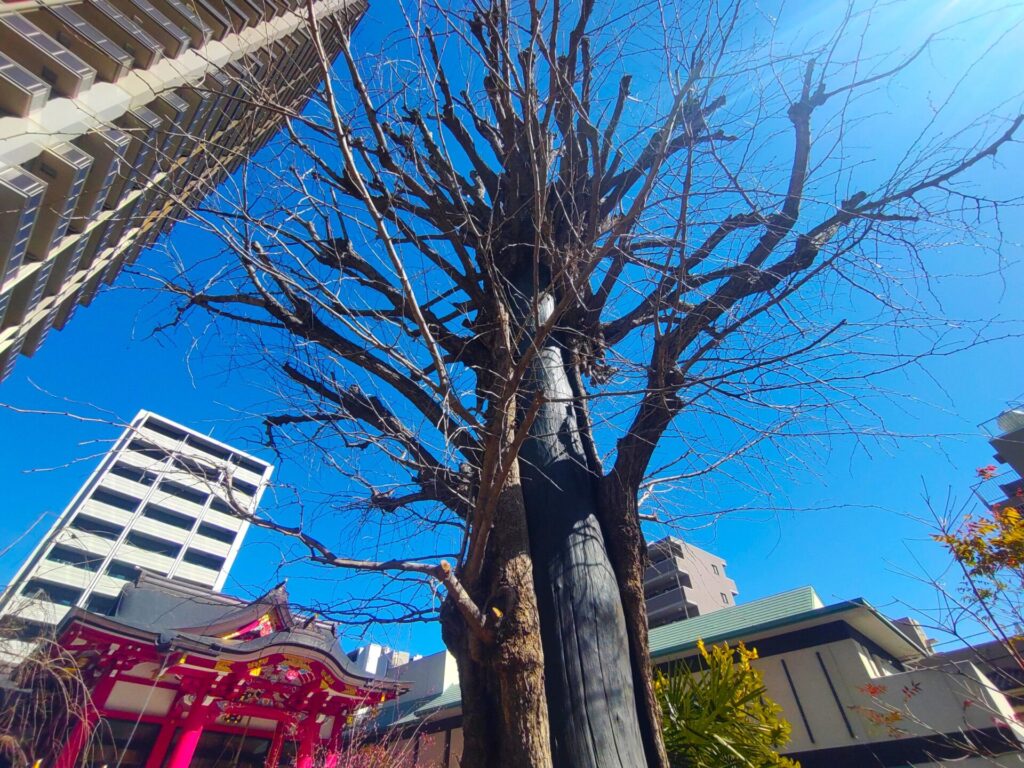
(844, 522)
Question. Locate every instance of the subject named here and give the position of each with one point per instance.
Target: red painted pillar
(274, 753)
(163, 741)
(188, 740)
(334, 745)
(309, 738)
(79, 738)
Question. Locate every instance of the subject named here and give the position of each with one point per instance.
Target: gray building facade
(684, 581)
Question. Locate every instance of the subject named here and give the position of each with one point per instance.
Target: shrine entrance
(184, 678)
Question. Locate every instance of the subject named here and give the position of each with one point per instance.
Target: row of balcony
(61, 51)
(108, 195)
(95, 547)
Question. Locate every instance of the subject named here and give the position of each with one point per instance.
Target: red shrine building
(182, 677)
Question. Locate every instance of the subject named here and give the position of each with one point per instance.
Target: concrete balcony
(669, 606)
(44, 57)
(125, 486)
(160, 530)
(85, 541)
(42, 611)
(666, 548)
(209, 546)
(62, 573)
(21, 92)
(176, 503)
(666, 571)
(151, 560)
(196, 573)
(222, 520)
(106, 512)
(108, 586)
(1008, 437)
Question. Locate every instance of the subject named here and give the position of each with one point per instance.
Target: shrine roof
(186, 616)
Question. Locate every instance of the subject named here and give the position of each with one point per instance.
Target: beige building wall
(115, 117)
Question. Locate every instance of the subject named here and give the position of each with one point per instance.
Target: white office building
(165, 498)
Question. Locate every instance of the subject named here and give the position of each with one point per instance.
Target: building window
(75, 557)
(114, 499)
(209, 448)
(725, 598)
(219, 505)
(133, 473)
(153, 544)
(251, 466)
(168, 517)
(55, 593)
(101, 604)
(240, 485)
(96, 527)
(147, 449)
(714, 568)
(197, 468)
(184, 492)
(171, 433)
(122, 571)
(215, 532)
(204, 560)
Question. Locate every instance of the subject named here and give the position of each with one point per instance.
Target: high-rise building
(1006, 435)
(683, 581)
(116, 116)
(165, 499)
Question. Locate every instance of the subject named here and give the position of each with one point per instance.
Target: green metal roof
(738, 622)
(745, 619)
(450, 697)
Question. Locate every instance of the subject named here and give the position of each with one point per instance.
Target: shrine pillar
(163, 739)
(79, 738)
(274, 753)
(334, 745)
(191, 731)
(309, 738)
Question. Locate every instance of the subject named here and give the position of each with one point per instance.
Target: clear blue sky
(854, 534)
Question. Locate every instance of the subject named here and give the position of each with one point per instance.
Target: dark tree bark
(588, 675)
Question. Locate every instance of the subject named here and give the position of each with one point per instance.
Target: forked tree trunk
(587, 661)
(562, 686)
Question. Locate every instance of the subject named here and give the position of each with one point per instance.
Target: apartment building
(164, 499)
(683, 581)
(116, 116)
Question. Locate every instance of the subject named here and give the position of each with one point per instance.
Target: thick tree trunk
(587, 660)
(627, 550)
(505, 716)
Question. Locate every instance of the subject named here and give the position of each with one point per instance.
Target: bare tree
(494, 280)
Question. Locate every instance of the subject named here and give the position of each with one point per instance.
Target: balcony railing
(1010, 420)
(674, 598)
